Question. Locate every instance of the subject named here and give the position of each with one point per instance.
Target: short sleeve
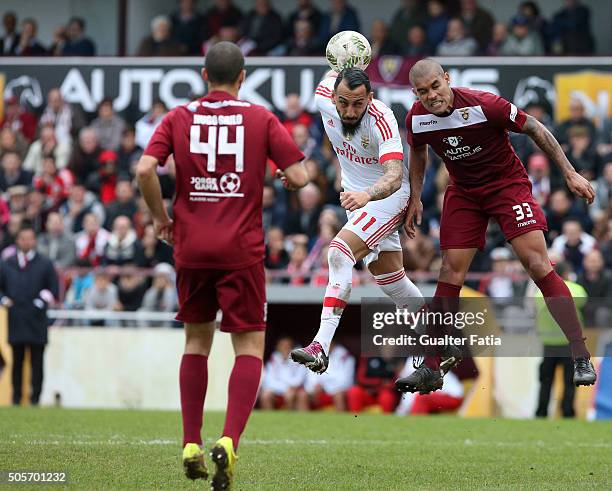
(323, 95)
(502, 113)
(388, 136)
(413, 140)
(160, 145)
(282, 150)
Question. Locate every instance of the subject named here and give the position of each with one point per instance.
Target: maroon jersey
(221, 146)
(473, 139)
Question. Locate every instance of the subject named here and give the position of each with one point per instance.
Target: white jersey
(376, 140)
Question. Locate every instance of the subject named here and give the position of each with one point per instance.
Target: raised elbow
(144, 169)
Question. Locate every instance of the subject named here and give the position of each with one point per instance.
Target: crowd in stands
(416, 28)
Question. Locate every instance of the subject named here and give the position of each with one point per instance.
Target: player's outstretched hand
(413, 216)
(353, 200)
(580, 187)
(163, 230)
(281, 175)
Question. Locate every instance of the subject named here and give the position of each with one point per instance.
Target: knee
(451, 271)
(339, 260)
(537, 266)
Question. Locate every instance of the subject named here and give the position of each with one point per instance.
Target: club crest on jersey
(465, 113)
(330, 122)
(452, 140)
(365, 141)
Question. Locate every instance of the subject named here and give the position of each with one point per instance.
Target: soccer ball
(348, 49)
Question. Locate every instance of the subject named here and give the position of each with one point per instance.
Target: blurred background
(84, 85)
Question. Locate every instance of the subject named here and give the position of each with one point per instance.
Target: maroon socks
(561, 306)
(242, 393)
(193, 379)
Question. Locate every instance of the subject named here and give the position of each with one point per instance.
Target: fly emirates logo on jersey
(350, 153)
(213, 189)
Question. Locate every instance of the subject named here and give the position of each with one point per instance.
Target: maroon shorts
(466, 213)
(240, 294)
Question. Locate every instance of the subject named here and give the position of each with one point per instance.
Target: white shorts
(378, 222)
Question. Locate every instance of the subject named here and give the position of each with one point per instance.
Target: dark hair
(224, 62)
(25, 225)
(563, 268)
(78, 20)
(533, 6)
(354, 77)
(104, 102)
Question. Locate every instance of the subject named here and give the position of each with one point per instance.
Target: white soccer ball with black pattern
(348, 49)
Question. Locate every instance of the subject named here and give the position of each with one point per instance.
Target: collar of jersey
(219, 95)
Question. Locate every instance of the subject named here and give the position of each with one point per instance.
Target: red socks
(193, 379)
(446, 299)
(561, 306)
(242, 393)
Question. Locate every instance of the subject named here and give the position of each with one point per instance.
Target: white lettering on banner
(179, 76)
(248, 90)
(75, 91)
(476, 78)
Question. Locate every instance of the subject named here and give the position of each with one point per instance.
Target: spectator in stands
(374, 385)
(153, 250)
(188, 27)
(522, 41)
(66, 120)
(305, 11)
(380, 40)
(556, 347)
(28, 284)
(10, 141)
(103, 295)
(537, 23)
(12, 173)
(160, 42)
(498, 284)
(307, 145)
(82, 281)
(10, 40)
(294, 113)
(108, 126)
(277, 257)
(132, 288)
(123, 205)
(582, 153)
(456, 43)
(53, 183)
(18, 119)
(91, 241)
(499, 38)
(46, 145)
(274, 207)
(416, 44)
(598, 284)
(303, 41)
(28, 43)
(330, 388)
(571, 30)
(573, 244)
(18, 199)
(603, 191)
(605, 144)
(36, 210)
(230, 34)
(577, 118)
(298, 269)
(80, 203)
(161, 297)
(146, 125)
(409, 14)
(56, 244)
(13, 226)
(122, 246)
(104, 181)
(222, 14)
(560, 209)
(84, 160)
(419, 252)
(128, 154)
(305, 219)
(77, 44)
(539, 175)
(436, 23)
(282, 378)
(341, 17)
(449, 398)
(263, 27)
(477, 22)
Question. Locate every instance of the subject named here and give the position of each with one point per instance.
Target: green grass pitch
(293, 451)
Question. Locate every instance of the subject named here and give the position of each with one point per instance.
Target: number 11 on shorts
(522, 211)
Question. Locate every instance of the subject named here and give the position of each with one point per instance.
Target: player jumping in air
(220, 146)
(468, 129)
(366, 139)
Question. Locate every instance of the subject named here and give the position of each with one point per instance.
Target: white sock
(338, 291)
(400, 289)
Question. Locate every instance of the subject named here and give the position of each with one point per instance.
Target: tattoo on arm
(390, 181)
(547, 143)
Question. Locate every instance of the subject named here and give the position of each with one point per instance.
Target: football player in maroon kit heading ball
(468, 129)
(221, 146)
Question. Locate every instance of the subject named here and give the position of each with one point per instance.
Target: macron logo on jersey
(459, 118)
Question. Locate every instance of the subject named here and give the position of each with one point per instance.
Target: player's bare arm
(418, 163)
(389, 183)
(149, 186)
(293, 177)
(549, 145)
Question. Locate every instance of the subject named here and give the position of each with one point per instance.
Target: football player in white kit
(366, 139)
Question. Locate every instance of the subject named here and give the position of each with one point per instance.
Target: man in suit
(28, 284)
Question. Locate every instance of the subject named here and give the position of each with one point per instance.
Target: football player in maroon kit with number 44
(468, 129)
(221, 146)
